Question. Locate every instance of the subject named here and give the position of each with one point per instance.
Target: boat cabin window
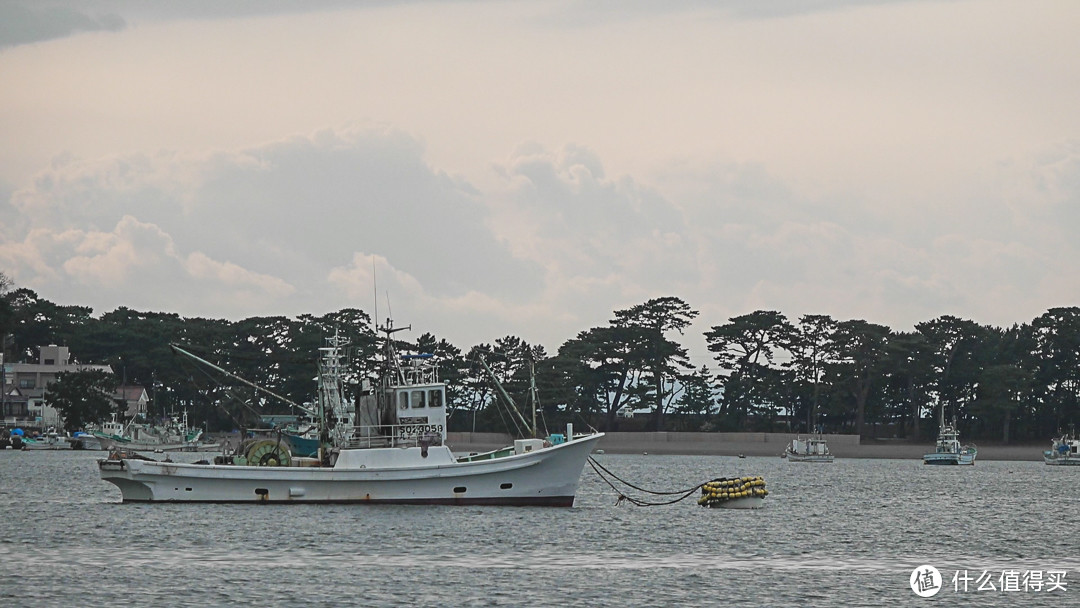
(435, 398)
(403, 400)
(417, 399)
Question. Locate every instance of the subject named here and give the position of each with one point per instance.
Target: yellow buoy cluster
(718, 491)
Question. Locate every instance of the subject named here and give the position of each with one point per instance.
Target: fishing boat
(90, 439)
(173, 435)
(811, 449)
(391, 448)
(948, 449)
(1064, 451)
(81, 440)
(49, 440)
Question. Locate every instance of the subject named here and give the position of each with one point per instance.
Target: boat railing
(394, 436)
(420, 371)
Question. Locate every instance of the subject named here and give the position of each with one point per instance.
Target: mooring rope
(603, 473)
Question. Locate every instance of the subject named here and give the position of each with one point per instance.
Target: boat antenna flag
(534, 396)
(375, 290)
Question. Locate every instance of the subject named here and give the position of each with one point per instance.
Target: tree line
(767, 372)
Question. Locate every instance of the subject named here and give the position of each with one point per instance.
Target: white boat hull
(547, 476)
(30, 444)
(949, 458)
(1061, 461)
(85, 442)
(809, 457)
(108, 443)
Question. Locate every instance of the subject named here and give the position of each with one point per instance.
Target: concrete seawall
(749, 444)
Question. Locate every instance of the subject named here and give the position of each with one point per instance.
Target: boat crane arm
(302, 408)
(505, 395)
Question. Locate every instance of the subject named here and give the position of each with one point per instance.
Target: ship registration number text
(412, 430)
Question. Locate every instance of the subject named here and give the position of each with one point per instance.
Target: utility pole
(5, 341)
(3, 378)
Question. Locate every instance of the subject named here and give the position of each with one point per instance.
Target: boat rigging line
(286, 400)
(228, 393)
(605, 474)
(515, 414)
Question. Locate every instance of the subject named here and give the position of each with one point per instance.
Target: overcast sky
(526, 168)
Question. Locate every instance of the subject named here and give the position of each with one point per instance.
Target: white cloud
(109, 259)
(231, 276)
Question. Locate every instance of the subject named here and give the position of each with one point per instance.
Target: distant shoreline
(900, 451)
(752, 444)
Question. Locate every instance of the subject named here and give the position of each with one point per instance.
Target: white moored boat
(812, 449)
(1064, 451)
(390, 450)
(173, 435)
(84, 441)
(49, 440)
(948, 449)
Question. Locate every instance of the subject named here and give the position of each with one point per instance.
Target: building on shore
(23, 387)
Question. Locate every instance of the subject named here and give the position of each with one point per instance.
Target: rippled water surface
(845, 534)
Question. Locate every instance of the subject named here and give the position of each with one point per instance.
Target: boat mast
(332, 407)
(391, 353)
(533, 398)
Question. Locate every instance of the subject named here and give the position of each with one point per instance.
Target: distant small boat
(173, 436)
(1064, 451)
(812, 449)
(51, 440)
(84, 441)
(948, 449)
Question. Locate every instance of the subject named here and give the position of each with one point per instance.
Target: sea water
(849, 533)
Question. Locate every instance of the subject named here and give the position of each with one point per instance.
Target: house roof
(130, 393)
